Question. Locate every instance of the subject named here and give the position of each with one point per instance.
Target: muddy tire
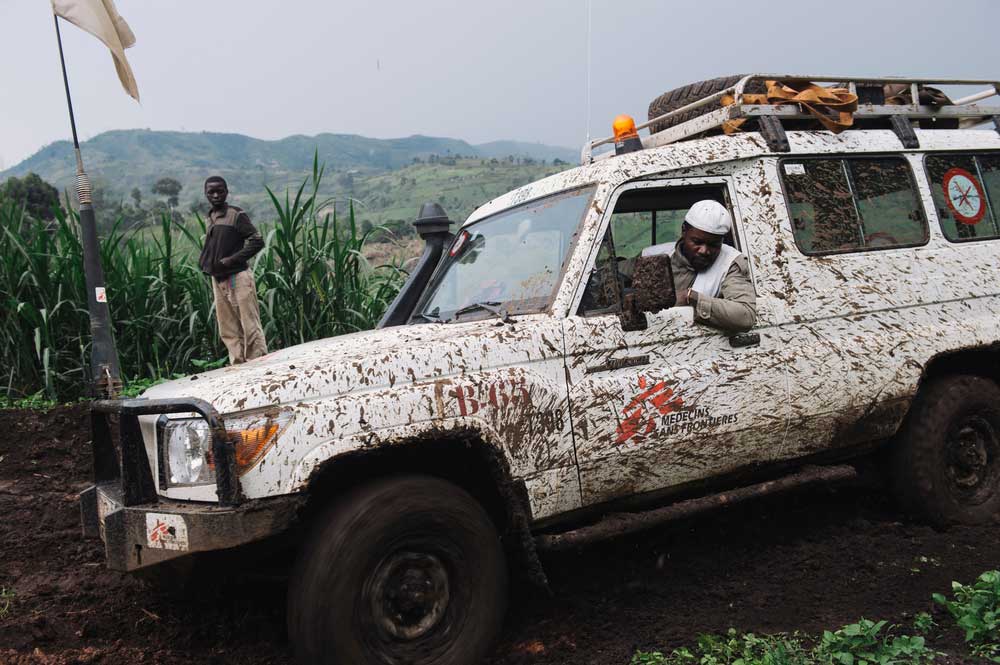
(692, 92)
(946, 460)
(408, 569)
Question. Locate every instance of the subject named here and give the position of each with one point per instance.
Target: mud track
(804, 562)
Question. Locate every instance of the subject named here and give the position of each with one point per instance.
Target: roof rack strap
(904, 130)
(833, 107)
(773, 133)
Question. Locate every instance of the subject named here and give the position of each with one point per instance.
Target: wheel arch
(881, 423)
(983, 360)
(464, 456)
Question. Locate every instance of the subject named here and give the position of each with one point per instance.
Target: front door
(677, 401)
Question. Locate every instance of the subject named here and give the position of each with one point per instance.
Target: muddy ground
(801, 562)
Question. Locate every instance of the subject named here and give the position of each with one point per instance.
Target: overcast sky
(479, 71)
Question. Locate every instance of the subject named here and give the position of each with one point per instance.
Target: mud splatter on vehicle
(542, 380)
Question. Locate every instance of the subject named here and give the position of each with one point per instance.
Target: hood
(356, 362)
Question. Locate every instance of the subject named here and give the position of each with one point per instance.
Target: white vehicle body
(843, 337)
(584, 413)
(550, 409)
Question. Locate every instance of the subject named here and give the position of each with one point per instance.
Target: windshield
(509, 262)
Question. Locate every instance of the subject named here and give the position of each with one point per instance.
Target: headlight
(186, 444)
(188, 447)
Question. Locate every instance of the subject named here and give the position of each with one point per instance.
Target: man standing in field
(230, 243)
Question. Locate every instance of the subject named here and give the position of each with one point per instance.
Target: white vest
(707, 282)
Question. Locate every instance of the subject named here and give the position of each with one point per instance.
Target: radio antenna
(589, 33)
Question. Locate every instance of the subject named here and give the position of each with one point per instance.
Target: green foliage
(864, 643)
(861, 643)
(316, 279)
(170, 188)
(36, 401)
(976, 610)
(924, 623)
(205, 365)
(312, 280)
(114, 212)
(389, 198)
(38, 197)
(136, 387)
(124, 159)
(732, 649)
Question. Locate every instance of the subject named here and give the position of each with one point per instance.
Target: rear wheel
(406, 570)
(946, 463)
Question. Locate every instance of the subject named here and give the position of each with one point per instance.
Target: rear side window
(852, 204)
(965, 189)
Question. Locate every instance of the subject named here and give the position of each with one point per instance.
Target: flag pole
(105, 373)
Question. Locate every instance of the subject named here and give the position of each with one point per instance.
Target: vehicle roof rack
(770, 116)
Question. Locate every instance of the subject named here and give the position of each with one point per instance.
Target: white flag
(101, 19)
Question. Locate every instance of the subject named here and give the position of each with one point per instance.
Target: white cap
(710, 217)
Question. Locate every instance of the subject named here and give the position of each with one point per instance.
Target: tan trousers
(238, 313)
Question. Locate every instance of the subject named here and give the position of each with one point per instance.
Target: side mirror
(653, 282)
(652, 291)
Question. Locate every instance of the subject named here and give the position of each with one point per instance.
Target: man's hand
(687, 298)
(226, 261)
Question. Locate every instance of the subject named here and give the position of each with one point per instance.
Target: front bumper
(144, 535)
(140, 528)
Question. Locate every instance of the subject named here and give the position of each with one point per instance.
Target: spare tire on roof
(692, 92)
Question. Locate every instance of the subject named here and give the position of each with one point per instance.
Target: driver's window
(642, 217)
(653, 215)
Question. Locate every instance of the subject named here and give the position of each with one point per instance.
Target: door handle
(744, 339)
(618, 363)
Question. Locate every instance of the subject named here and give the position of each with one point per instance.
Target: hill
(121, 160)
(460, 187)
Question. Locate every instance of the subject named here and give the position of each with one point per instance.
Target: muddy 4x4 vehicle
(532, 388)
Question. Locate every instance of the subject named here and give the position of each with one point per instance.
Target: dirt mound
(67, 607)
(802, 562)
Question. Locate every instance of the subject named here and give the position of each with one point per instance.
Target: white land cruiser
(531, 387)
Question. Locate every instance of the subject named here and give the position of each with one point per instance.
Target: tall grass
(312, 279)
(314, 276)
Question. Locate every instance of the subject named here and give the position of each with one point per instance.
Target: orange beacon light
(626, 136)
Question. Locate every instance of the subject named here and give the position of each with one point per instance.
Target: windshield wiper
(490, 306)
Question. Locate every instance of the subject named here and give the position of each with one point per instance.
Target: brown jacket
(231, 236)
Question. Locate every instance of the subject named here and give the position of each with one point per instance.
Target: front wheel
(408, 569)
(946, 461)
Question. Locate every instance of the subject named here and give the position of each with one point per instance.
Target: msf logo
(161, 532)
(639, 417)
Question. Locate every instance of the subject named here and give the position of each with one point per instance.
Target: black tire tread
(353, 512)
(678, 97)
(914, 455)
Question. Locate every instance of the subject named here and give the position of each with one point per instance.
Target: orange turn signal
(251, 437)
(251, 444)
